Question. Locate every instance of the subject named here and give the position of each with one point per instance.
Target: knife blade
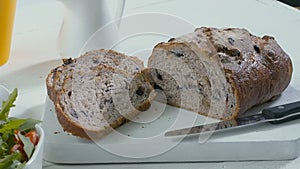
(275, 115)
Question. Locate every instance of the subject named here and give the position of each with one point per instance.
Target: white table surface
(34, 53)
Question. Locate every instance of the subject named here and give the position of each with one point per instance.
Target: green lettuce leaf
(8, 160)
(7, 142)
(9, 103)
(29, 124)
(11, 125)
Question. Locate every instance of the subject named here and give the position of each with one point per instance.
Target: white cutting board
(144, 142)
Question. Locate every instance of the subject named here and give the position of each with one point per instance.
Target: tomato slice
(33, 136)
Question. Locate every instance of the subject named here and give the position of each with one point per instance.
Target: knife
(275, 115)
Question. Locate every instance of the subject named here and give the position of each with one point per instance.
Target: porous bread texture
(87, 62)
(92, 104)
(97, 92)
(219, 73)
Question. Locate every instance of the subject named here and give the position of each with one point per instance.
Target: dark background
(295, 3)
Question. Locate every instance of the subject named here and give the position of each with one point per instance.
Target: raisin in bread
(91, 104)
(86, 63)
(219, 73)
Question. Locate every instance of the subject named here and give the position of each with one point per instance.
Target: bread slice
(91, 104)
(87, 62)
(219, 73)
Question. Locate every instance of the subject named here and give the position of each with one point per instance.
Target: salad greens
(6, 105)
(18, 137)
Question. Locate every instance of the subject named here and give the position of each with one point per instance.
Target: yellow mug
(7, 15)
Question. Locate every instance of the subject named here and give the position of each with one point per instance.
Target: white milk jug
(82, 18)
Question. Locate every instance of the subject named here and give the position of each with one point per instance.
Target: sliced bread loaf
(90, 104)
(220, 73)
(97, 92)
(86, 63)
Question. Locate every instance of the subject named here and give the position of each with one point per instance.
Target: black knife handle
(281, 111)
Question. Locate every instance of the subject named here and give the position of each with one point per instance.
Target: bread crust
(49, 85)
(77, 130)
(262, 70)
